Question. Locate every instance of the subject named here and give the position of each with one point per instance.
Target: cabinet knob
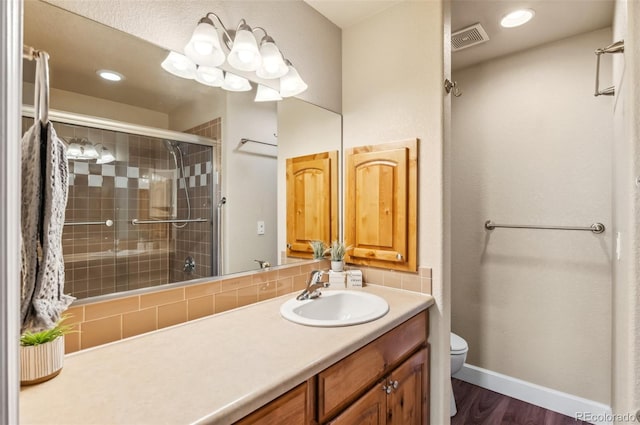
(399, 256)
(390, 386)
(289, 245)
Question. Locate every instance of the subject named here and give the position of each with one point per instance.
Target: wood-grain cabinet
(312, 202)
(384, 382)
(381, 205)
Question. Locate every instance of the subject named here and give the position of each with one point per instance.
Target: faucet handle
(264, 264)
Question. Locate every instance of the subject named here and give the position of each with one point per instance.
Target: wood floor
(479, 406)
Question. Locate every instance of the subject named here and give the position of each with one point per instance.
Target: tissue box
(354, 279)
(337, 279)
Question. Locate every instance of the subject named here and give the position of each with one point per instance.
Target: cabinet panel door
(370, 409)
(291, 408)
(407, 404)
(381, 205)
(311, 202)
(340, 384)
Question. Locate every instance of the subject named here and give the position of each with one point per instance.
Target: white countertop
(213, 370)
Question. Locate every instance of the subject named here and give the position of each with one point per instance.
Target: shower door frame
(141, 130)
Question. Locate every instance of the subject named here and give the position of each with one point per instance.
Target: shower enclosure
(141, 209)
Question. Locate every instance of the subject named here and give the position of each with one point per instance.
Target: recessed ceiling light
(517, 18)
(110, 75)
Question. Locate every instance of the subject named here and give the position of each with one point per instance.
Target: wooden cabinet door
(292, 408)
(342, 383)
(381, 205)
(370, 409)
(407, 403)
(312, 202)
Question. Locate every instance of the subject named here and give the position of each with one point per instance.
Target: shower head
(170, 145)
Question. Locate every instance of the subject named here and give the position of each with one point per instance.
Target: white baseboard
(557, 401)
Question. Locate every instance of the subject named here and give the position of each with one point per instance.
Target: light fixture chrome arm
(227, 39)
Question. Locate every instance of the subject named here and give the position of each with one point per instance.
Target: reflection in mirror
(169, 149)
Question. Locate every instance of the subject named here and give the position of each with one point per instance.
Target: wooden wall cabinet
(381, 205)
(385, 382)
(312, 202)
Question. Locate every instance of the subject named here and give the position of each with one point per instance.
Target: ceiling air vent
(468, 37)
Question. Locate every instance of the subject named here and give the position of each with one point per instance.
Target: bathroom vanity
(250, 366)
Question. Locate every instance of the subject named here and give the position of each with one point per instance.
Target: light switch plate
(261, 227)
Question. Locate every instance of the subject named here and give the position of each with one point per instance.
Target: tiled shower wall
(140, 184)
(195, 240)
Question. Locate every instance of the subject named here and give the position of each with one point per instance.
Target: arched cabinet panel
(381, 205)
(312, 202)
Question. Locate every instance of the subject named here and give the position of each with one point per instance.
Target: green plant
(337, 251)
(36, 338)
(318, 248)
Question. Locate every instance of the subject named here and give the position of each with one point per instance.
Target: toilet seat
(458, 344)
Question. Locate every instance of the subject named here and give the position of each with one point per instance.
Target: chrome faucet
(314, 285)
(264, 264)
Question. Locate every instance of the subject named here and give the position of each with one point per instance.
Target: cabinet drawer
(340, 384)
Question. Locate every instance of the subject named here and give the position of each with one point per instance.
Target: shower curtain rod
(595, 227)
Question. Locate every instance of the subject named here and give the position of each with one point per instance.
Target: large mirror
(170, 180)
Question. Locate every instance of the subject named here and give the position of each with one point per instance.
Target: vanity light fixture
(205, 52)
(291, 84)
(266, 94)
(105, 155)
(83, 149)
(109, 75)
(517, 18)
(233, 82)
(209, 76)
(179, 65)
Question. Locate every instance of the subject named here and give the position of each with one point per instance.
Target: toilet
(459, 350)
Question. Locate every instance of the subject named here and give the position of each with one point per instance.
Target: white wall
(303, 129)
(626, 209)
(305, 37)
(249, 183)
(532, 145)
(62, 100)
(397, 96)
(202, 109)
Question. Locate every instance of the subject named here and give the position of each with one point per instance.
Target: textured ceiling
(554, 20)
(79, 47)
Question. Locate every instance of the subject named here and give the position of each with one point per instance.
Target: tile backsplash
(107, 321)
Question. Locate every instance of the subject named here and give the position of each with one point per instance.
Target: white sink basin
(335, 308)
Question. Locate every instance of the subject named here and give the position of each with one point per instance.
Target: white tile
(186, 171)
(95, 181)
(192, 181)
(209, 167)
(203, 180)
(80, 167)
(132, 172)
(181, 183)
(108, 170)
(72, 178)
(143, 184)
(197, 170)
(121, 182)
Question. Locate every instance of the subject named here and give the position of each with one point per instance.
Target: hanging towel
(44, 199)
